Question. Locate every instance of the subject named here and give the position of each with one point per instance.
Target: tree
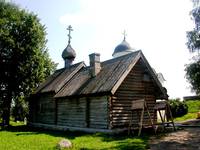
(19, 109)
(24, 58)
(193, 75)
(193, 69)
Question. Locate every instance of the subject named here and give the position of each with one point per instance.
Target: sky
(157, 27)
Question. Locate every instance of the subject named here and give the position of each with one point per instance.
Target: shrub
(193, 106)
(178, 108)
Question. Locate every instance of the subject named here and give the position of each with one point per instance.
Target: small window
(146, 77)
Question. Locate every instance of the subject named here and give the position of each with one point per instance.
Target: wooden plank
(64, 76)
(135, 97)
(110, 105)
(68, 76)
(131, 89)
(70, 120)
(115, 76)
(72, 87)
(122, 118)
(72, 112)
(49, 80)
(102, 79)
(99, 112)
(72, 125)
(120, 111)
(138, 104)
(45, 107)
(114, 89)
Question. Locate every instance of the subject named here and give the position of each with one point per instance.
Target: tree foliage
(193, 40)
(24, 58)
(19, 109)
(193, 69)
(193, 76)
(178, 108)
(194, 35)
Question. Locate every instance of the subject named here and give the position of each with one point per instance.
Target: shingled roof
(77, 80)
(59, 78)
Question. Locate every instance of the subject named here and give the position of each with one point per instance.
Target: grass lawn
(188, 116)
(193, 108)
(20, 137)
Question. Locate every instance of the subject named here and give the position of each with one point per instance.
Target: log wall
(71, 112)
(91, 112)
(98, 115)
(132, 88)
(45, 109)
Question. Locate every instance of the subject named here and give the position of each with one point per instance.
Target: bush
(193, 106)
(178, 108)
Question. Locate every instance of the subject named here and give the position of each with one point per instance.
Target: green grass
(188, 116)
(193, 108)
(22, 138)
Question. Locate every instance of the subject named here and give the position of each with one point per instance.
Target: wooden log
(132, 88)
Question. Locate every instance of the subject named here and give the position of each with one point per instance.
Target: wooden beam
(87, 114)
(68, 128)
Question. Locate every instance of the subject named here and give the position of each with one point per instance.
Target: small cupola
(123, 48)
(69, 53)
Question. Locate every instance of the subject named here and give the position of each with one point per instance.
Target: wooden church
(98, 97)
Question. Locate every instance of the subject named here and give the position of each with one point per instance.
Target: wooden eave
(154, 76)
(58, 79)
(134, 61)
(108, 93)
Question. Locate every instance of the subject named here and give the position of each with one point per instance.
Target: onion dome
(122, 49)
(123, 46)
(68, 53)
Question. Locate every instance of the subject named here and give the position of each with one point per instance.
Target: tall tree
(24, 58)
(194, 35)
(193, 75)
(193, 69)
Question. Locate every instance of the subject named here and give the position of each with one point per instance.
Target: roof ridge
(121, 57)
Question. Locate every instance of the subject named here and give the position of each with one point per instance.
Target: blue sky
(157, 27)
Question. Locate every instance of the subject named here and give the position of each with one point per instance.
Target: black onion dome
(68, 52)
(124, 46)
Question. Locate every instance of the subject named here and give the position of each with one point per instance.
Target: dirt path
(185, 139)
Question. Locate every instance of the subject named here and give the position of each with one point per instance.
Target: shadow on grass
(121, 141)
(130, 146)
(27, 130)
(106, 137)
